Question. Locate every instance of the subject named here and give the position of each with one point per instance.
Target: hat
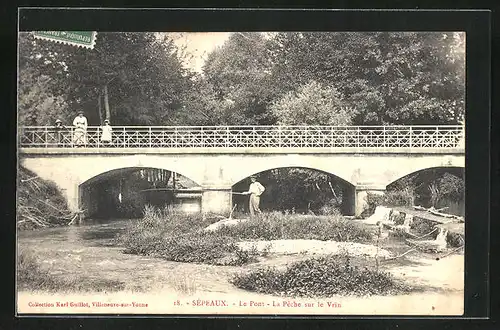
(253, 177)
(106, 120)
(58, 121)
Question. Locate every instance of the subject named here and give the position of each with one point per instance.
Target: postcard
(241, 173)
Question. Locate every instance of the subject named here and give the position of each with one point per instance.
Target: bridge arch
(428, 163)
(101, 167)
(123, 192)
(424, 169)
(348, 190)
(321, 164)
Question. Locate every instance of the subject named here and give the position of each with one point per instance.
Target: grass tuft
(32, 277)
(320, 277)
(276, 225)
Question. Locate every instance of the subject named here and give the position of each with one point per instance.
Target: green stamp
(76, 38)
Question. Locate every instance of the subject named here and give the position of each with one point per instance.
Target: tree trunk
(99, 107)
(106, 103)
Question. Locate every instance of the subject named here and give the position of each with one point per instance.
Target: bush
(421, 227)
(400, 197)
(455, 239)
(39, 202)
(198, 247)
(276, 225)
(330, 209)
(29, 274)
(403, 197)
(372, 201)
(179, 237)
(320, 277)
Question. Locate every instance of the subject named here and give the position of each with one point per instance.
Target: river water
(92, 233)
(89, 254)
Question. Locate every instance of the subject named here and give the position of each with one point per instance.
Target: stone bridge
(366, 159)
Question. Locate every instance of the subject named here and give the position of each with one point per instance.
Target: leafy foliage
(143, 74)
(388, 77)
(238, 72)
(297, 189)
(38, 105)
(320, 277)
(276, 225)
(312, 104)
(179, 237)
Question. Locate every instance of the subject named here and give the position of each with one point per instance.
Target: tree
(238, 73)
(388, 77)
(139, 76)
(37, 104)
(312, 104)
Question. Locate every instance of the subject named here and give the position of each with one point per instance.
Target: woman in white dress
(80, 133)
(106, 133)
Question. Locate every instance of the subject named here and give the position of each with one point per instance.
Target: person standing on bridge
(80, 133)
(59, 127)
(106, 132)
(255, 190)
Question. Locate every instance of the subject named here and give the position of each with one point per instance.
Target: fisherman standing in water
(255, 190)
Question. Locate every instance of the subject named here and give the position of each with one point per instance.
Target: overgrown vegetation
(320, 277)
(39, 202)
(276, 225)
(429, 188)
(32, 277)
(179, 237)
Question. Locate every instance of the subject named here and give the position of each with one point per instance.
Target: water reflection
(93, 232)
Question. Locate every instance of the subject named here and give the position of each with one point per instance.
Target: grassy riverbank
(182, 238)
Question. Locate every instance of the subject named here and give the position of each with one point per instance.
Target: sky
(199, 44)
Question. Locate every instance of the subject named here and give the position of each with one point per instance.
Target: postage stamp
(76, 38)
(241, 173)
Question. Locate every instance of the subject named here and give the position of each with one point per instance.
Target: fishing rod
(187, 190)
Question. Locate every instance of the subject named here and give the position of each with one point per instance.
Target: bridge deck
(245, 137)
(241, 151)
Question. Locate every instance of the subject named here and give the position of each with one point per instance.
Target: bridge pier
(361, 203)
(217, 200)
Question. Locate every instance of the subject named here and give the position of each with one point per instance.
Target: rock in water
(381, 214)
(437, 245)
(225, 222)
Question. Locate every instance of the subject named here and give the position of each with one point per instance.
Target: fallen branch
(33, 178)
(52, 206)
(72, 220)
(436, 228)
(36, 221)
(436, 212)
(331, 188)
(451, 252)
(399, 256)
(399, 229)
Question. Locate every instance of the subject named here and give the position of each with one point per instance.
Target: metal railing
(247, 137)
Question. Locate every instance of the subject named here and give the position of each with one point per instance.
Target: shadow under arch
(458, 171)
(347, 192)
(427, 192)
(100, 191)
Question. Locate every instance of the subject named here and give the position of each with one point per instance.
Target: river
(89, 254)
